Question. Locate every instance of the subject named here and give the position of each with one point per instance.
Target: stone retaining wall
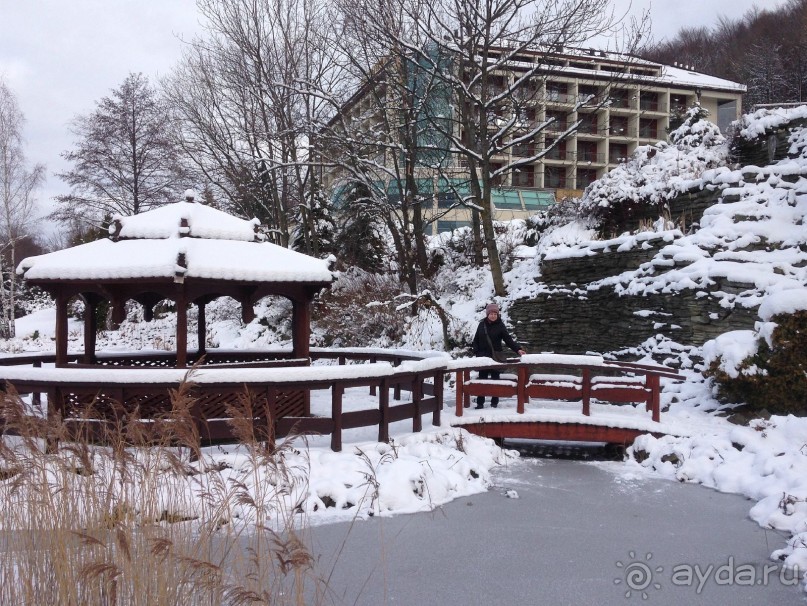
(577, 321)
(572, 319)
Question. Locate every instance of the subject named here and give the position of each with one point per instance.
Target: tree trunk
(490, 243)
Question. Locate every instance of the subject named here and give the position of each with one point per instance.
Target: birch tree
(18, 185)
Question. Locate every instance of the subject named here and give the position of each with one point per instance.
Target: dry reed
(135, 513)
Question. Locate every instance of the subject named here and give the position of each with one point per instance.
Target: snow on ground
(757, 239)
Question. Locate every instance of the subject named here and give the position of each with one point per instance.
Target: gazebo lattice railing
(279, 395)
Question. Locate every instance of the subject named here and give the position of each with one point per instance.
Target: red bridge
(566, 389)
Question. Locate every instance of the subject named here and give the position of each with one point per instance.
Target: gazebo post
(90, 327)
(182, 329)
(301, 328)
(201, 326)
(61, 329)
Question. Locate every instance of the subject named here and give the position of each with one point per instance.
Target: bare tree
(125, 160)
(382, 146)
(18, 184)
(466, 46)
(246, 120)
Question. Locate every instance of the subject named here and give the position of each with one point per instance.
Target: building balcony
(647, 105)
(622, 131)
(556, 183)
(558, 126)
(559, 154)
(589, 128)
(590, 157)
(558, 98)
(523, 151)
(623, 104)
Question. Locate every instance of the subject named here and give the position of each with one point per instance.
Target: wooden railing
(559, 377)
(279, 387)
(275, 391)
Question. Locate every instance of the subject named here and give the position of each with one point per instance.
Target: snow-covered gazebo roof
(181, 240)
(187, 252)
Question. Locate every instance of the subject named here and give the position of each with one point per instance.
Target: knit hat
(490, 307)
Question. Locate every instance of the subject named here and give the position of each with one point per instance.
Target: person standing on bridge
(488, 338)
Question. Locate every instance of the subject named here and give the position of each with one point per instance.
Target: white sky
(60, 56)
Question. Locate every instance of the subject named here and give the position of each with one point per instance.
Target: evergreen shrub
(779, 382)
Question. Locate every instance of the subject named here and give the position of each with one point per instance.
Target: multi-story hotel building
(631, 102)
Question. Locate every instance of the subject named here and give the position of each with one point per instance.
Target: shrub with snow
(767, 370)
(655, 174)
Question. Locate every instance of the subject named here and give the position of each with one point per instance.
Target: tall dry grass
(139, 514)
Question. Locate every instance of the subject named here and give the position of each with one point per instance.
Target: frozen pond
(577, 533)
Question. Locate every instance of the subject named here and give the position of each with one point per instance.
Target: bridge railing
(562, 377)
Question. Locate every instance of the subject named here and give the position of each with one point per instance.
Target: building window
(619, 126)
(585, 177)
(726, 113)
(587, 152)
(678, 103)
(507, 200)
(648, 128)
(617, 152)
(524, 176)
(558, 152)
(496, 85)
(648, 101)
(443, 226)
(525, 149)
(620, 98)
(589, 124)
(555, 177)
(559, 125)
(527, 116)
(587, 94)
(447, 199)
(557, 92)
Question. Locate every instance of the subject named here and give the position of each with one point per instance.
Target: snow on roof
(179, 240)
(201, 222)
(216, 259)
(686, 77)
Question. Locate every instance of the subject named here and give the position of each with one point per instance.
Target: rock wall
(571, 317)
(577, 322)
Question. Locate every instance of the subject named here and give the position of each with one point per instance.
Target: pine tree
(360, 241)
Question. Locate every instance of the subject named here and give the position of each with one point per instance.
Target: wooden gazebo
(186, 252)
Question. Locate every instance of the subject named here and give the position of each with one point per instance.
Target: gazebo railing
(279, 395)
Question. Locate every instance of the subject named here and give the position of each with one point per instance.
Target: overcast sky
(60, 56)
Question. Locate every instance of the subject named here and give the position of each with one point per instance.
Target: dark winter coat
(497, 332)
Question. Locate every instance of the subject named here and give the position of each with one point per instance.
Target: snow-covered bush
(654, 174)
(766, 370)
(360, 311)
